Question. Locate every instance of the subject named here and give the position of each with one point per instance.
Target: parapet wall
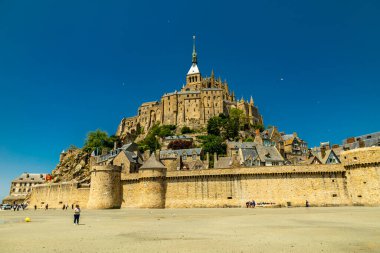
(58, 194)
(321, 185)
(363, 157)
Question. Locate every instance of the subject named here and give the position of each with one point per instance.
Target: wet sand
(336, 229)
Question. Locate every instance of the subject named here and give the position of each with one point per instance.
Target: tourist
(35, 207)
(76, 214)
(63, 207)
(67, 206)
(307, 203)
(72, 206)
(46, 207)
(253, 203)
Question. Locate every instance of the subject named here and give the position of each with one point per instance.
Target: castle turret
(152, 184)
(363, 175)
(105, 189)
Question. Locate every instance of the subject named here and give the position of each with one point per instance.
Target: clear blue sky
(63, 65)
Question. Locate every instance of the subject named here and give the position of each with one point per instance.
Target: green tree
(213, 144)
(166, 130)
(186, 130)
(213, 126)
(151, 140)
(258, 126)
(98, 139)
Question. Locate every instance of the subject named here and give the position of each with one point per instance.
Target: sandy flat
(338, 229)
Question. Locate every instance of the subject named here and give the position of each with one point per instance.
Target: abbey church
(197, 101)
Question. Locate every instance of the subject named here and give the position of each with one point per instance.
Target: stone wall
(354, 182)
(58, 194)
(224, 189)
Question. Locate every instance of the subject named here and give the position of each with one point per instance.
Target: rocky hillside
(75, 165)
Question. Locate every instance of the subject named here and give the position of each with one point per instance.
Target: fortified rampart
(354, 182)
(58, 194)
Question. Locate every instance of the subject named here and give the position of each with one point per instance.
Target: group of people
(251, 204)
(17, 207)
(65, 207)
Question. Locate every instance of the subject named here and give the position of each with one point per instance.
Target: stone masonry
(356, 181)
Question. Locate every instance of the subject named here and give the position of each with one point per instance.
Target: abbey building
(197, 101)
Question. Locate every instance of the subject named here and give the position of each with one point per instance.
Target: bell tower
(193, 77)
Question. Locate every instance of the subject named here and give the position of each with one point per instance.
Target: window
(194, 156)
(184, 156)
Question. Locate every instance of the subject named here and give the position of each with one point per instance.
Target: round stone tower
(152, 184)
(363, 175)
(105, 189)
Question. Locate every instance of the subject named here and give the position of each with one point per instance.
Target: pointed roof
(330, 153)
(251, 102)
(313, 160)
(193, 69)
(152, 163)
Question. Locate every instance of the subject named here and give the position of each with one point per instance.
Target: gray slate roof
(132, 157)
(152, 163)
(30, 177)
(177, 137)
(265, 153)
(188, 152)
(268, 153)
(249, 152)
(223, 162)
(237, 145)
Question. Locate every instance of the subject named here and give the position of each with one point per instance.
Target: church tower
(193, 77)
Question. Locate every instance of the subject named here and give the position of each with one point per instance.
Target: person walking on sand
(76, 214)
(46, 207)
(35, 207)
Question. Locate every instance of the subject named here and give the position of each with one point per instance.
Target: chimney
(258, 138)
(146, 154)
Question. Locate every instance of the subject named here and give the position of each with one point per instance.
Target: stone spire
(195, 59)
(251, 102)
(194, 68)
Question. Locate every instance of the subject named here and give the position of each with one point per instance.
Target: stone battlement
(361, 157)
